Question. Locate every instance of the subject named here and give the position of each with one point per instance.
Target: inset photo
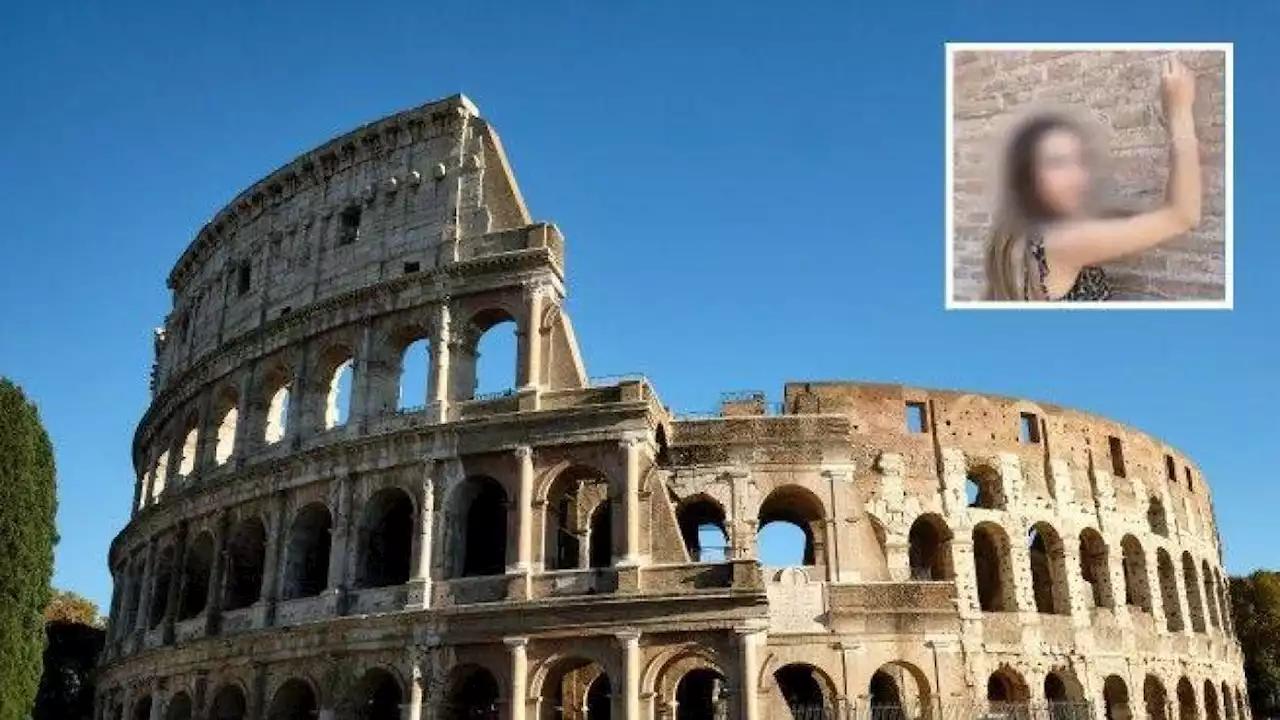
(1088, 175)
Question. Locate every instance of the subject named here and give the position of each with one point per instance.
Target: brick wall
(1121, 90)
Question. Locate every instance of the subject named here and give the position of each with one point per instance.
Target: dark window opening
(349, 225)
(244, 278)
(1117, 456)
(1170, 468)
(916, 417)
(1190, 486)
(285, 310)
(1030, 434)
(411, 267)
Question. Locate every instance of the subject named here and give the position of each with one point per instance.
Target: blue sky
(751, 193)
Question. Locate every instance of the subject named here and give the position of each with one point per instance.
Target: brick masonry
(1121, 90)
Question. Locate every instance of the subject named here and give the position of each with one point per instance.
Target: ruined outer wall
(1121, 90)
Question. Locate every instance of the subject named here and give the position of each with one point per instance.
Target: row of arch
(402, 373)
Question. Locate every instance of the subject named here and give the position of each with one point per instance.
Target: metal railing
(599, 381)
(966, 709)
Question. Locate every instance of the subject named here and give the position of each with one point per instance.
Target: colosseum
(315, 536)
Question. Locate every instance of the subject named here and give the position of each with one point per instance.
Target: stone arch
(703, 694)
(993, 567)
(1137, 583)
(1047, 555)
(197, 568)
(229, 703)
(142, 708)
(377, 695)
(1191, 588)
(1007, 686)
(160, 474)
(1211, 596)
(565, 683)
(929, 554)
(1157, 517)
(180, 707)
(572, 495)
(805, 513)
(1228, 703)
(600, 537)
(1095, 568)
(246, 561)
(1115, 699)
(1187, 709)
(386, 539)
(1212, 709)
(166, 565)
(335, 373)
(1062, 687)
(306, 568)
(804, 689)
(187, 452)
(898, 685)
(1155, 698)
(400, 368)
(277, 387)
(477, 527)
(1169, 595)
(703, 528)
(472, 693)
(226, 409)
(296, 699)
(984, 487)
(474, 331)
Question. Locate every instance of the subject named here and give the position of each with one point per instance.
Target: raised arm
(1071, 245)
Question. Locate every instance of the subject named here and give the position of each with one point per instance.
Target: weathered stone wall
(1121, 91)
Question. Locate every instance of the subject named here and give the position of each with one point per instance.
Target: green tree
(1255, 605)
(27, 535)
(71, 607)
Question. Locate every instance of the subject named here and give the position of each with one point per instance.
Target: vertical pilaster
(530, 374)
(524, 509)
(518, 647)
(362, 400)
(420, 578)
(341, 536)
(213, 602)
(440, 372)
(630, 555)
(175, 583)
(630, 705)
(748, 671)
(412, 710)
(276, 532)
(299, 390)
(248, 417)
(148, 580)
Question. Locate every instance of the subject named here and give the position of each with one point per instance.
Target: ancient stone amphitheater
(314, 536)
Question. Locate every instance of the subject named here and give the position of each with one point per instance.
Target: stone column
(838, 482)
(176, 578)
(213, 601)
(519, 675)
(412, 710)
(361, 402)
(299, 389)
(630, 705)
(524, 509)
(439, 373)
(276, 531)
(530, 336)
(248, 419)
(148, 580)
(748, 670)
(630, 555)
(341, 535)
(420, 578)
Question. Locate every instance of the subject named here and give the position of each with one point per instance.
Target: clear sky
(750, 192)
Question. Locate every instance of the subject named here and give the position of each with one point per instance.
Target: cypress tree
(27, 536)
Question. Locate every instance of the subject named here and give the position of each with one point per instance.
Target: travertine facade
(297, 551)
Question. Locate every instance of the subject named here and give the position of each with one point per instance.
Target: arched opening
(702, 528)
(1211, 595)
(179, 707)
(246, 555)
(187, 458)
(488, 356)
(1155, 698)
(1157, 520)
(1064, 697)
(338, 384)
(930, 549)
(1048, 570)
(792, 529)
(600, 698)
(1211, 706)
(160, 586)
(1006, 687)
(984, 488)
(801, 690)
(306, 571)
(1115, 699)
(1169, 591)
(481, 528)
(993, 568)
(142, 708)
(1228, 703)
(473, 695)
(600, 543)
(159, 476)
(1095, 568)
(1187, 701)
(897, 692)
(1191, 586)
(575, 688)
(701, 695)
(386, 539)
(277, 387)
(1137, 586)
(194, 592)
(377, 696)
(228, 704)
(571, 501)
(413, 374)
(295, 700)
(228, 418)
